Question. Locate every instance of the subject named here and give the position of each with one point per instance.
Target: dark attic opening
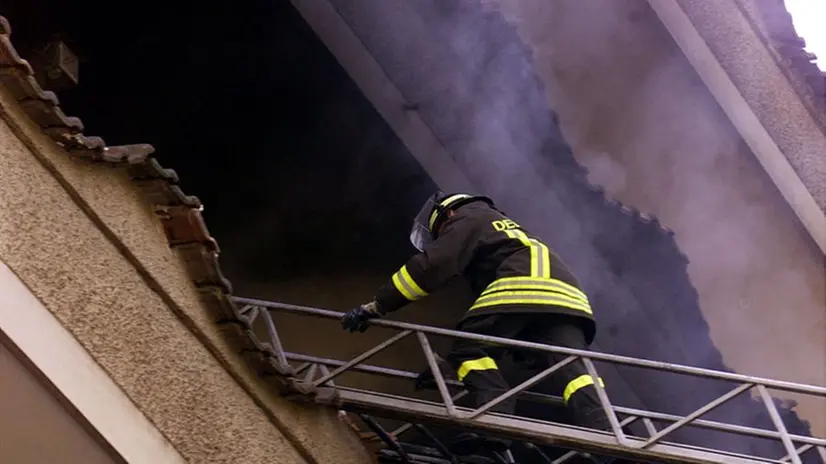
(298, 174)
(311, 194)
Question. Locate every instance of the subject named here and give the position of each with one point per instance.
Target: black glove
(357, 320)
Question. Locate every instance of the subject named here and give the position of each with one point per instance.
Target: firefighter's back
(513, 271)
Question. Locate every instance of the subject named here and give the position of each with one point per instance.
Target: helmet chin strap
(442, 213)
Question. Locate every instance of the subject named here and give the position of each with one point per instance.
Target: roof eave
(787, 151)
(367, 74)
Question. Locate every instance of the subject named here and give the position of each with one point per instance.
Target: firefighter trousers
(476, 362)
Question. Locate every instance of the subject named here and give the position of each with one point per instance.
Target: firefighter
(524, 292)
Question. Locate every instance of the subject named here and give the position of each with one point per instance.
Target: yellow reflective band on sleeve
(579, 382)
(531, 298)
(481, 364)
(540, 255)
(533, 283)
(407, 286)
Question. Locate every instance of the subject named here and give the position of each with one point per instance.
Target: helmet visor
(420, 234)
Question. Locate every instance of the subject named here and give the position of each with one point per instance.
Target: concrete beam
(81, 381)
(377, 87)
(744, 119)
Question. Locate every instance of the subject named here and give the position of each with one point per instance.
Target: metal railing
(616, 443)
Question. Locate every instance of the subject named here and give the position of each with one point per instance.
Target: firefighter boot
(426, 381)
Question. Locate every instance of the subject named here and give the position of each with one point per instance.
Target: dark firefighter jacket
(508, 269)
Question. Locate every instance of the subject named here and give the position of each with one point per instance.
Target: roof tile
(180, 214)
(185, 225)
(160, 192)
(203, 266)
(217, 301)
(151, 169)
(236, 332)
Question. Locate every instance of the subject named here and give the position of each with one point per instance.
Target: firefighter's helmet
(434, 212)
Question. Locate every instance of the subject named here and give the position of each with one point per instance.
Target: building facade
(136, 336)
(108, 264)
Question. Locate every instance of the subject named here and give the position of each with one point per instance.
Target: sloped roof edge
(180, 214)
(788, 48)
(780, 132)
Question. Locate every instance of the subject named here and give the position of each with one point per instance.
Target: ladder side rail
(572, 454)
(405, 427)
(746, 382)
(645, 415)
(536, 431)
(593, 355)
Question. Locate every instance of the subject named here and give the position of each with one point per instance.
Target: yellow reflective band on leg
(540, 256)
(481, 364)
(406, 285)
(579, 382)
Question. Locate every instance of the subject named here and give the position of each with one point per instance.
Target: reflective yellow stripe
(407, 286)
(451, 199)
(579, 382)
(481, 364)
(533, 283)
(540, 255)
(534, 294)
(531, 297)
(538, 288)
(444, 204)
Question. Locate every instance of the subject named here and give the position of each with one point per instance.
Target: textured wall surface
(644, 124)
(148, 350)
(737, 41)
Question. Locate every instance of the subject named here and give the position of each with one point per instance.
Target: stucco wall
(644, 124)
(149, 348)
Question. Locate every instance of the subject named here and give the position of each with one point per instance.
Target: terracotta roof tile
(180, 214)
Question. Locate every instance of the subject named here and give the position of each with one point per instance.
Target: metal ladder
(320, 373)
